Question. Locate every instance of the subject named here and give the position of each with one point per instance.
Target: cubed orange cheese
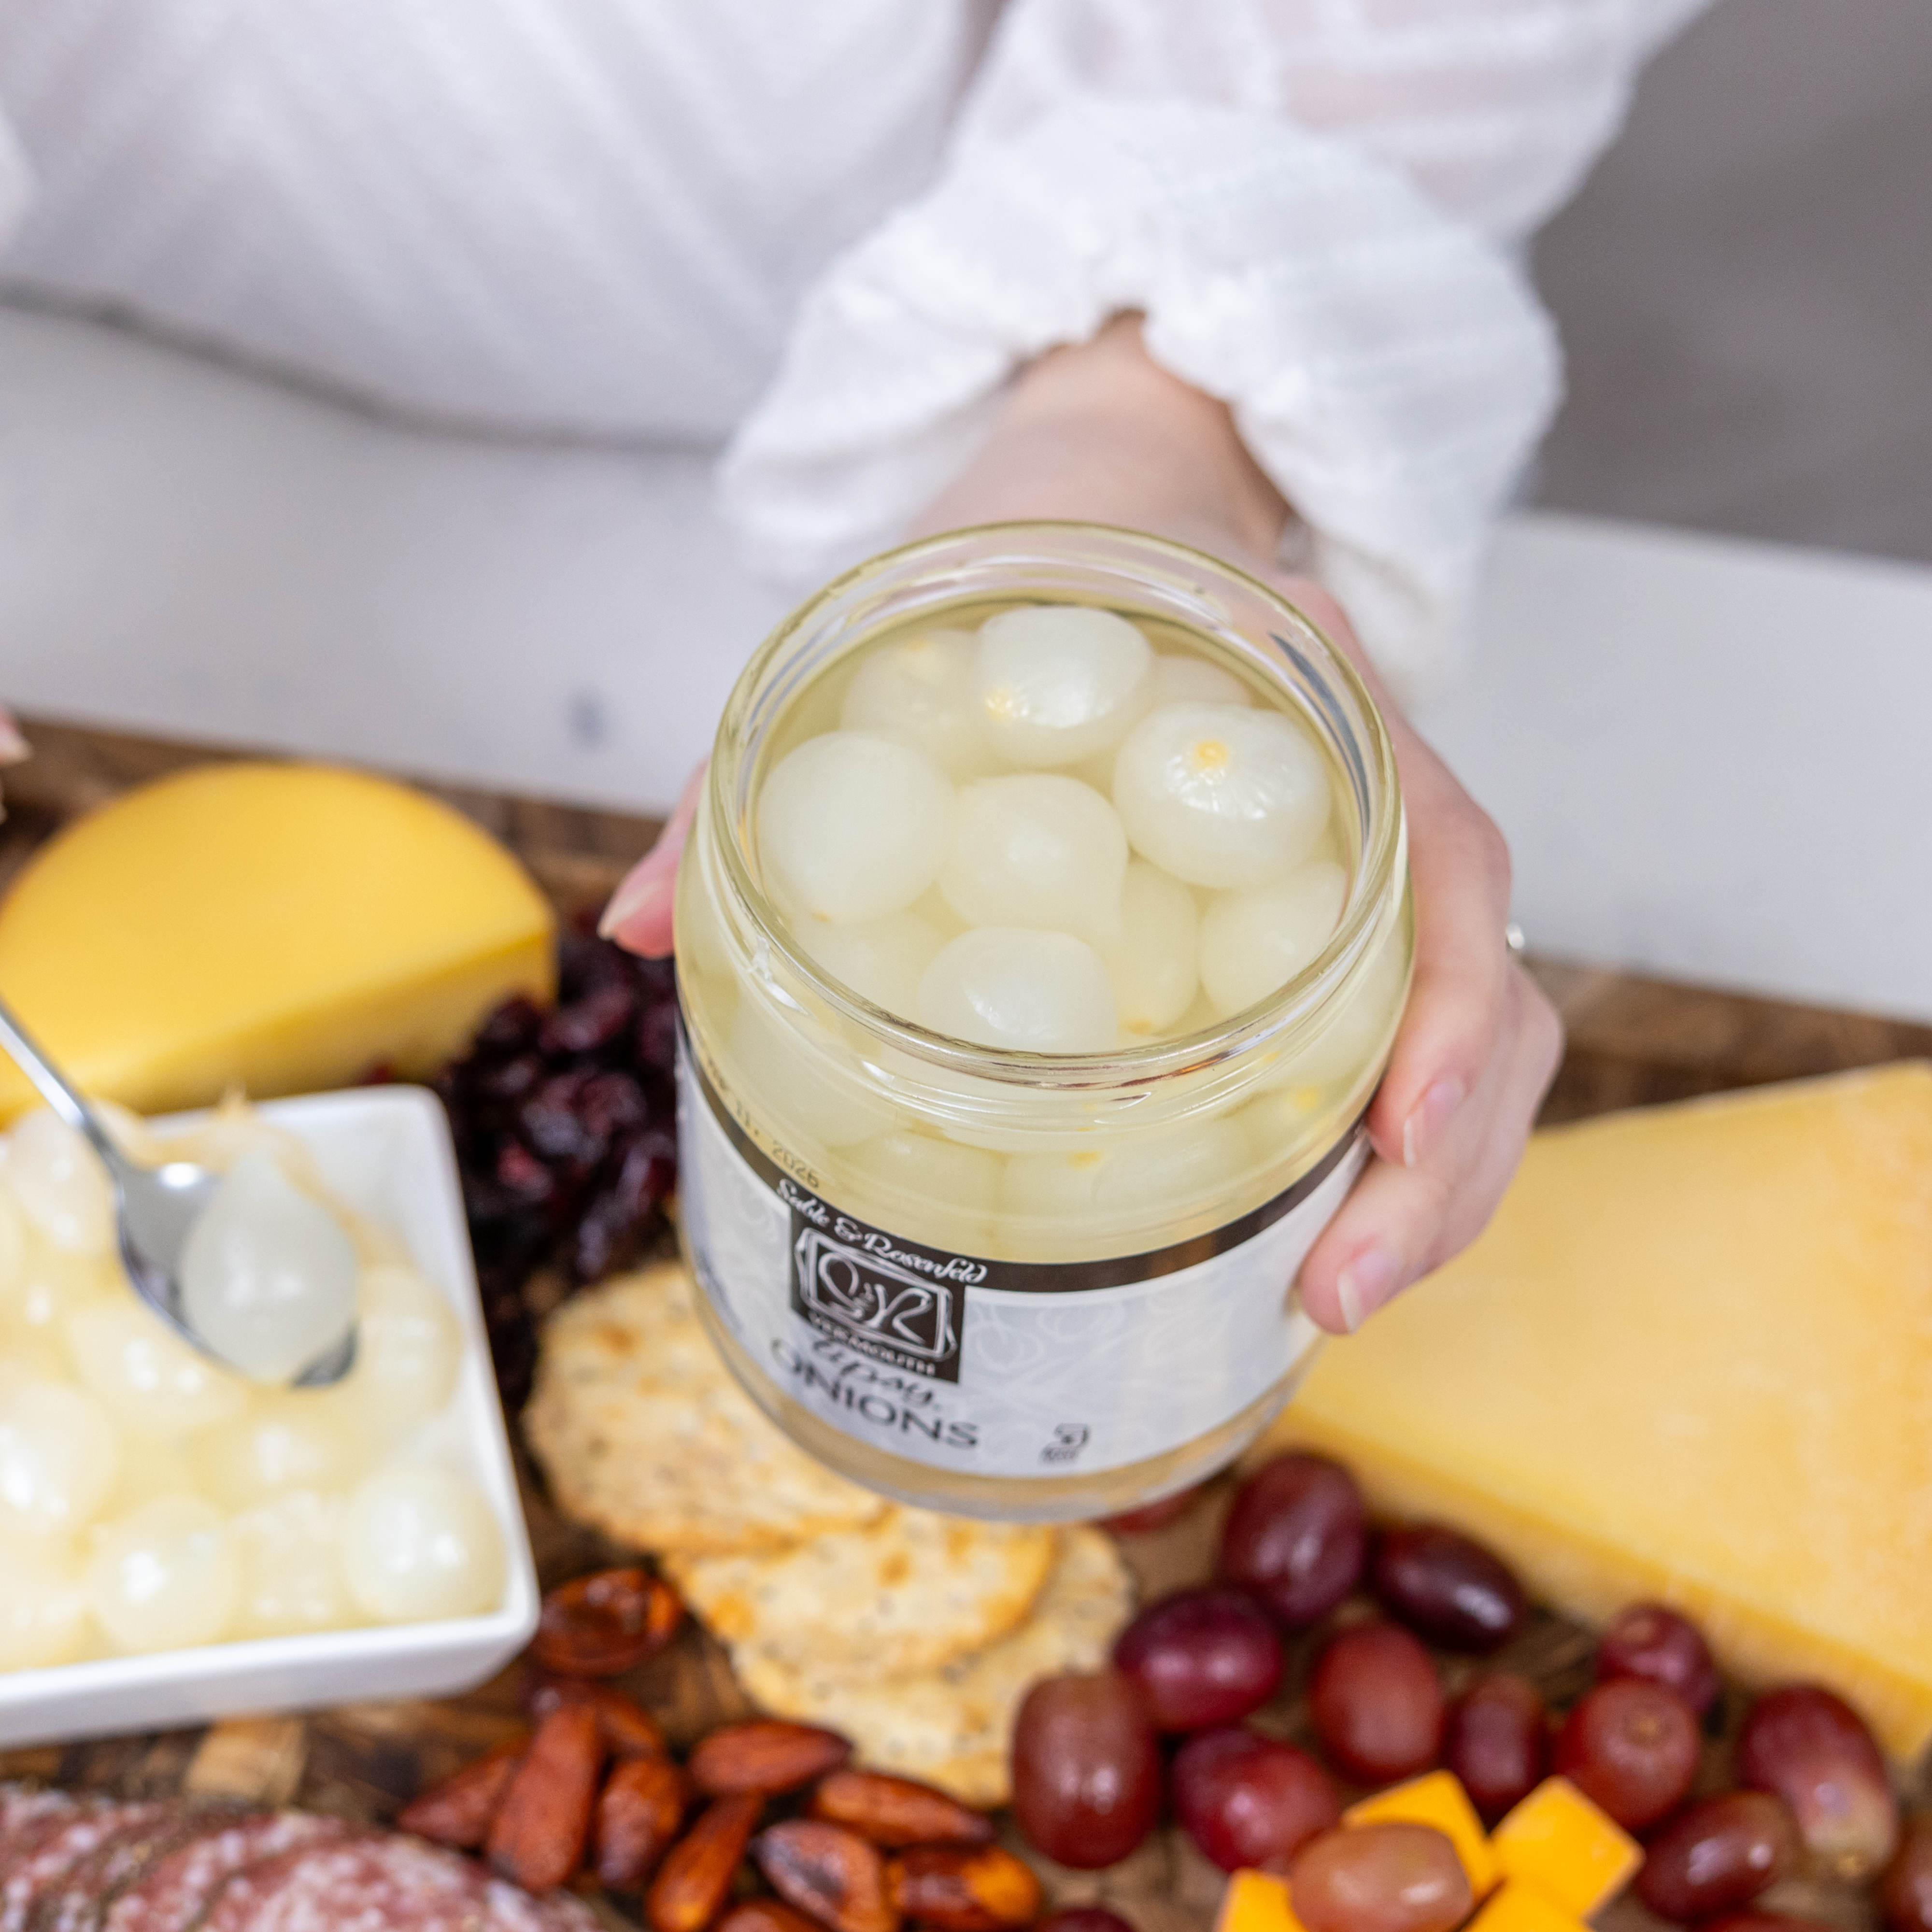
(1690, 1359)
(275, 927)
(1517, 1907)
(1255, 1901)
(1556, 1842)
(1436, 1799)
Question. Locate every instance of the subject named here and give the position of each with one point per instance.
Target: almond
(695, 1878)
(895, 1812)
(765, 1756)
(638, 1813)
(538, 1833)
(628, 1729)
(765, 1915)
(984, 1890)
(602, 1624)
(457, 1812)
(829, 1873)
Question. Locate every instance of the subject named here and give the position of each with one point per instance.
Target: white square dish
(384, 1152)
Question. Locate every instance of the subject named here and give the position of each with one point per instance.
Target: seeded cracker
(643, 1433)
(951, 1726)
(910, 1592)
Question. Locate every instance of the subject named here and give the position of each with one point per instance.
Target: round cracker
(909, 1592)
(642, 1431)
(952, 1727)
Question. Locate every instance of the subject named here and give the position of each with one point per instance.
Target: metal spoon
(154, 1209)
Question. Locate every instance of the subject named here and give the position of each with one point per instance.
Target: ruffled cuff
(1389, 368)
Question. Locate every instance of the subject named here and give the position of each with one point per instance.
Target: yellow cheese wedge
(1521, 1908)
(1255, 1901)
(1436, 1799)
(1690, 1359)
(281, 928)
(1556, 1844)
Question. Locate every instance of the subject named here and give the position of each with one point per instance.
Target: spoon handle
(54, 1089)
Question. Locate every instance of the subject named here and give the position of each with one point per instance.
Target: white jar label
(991, 1368)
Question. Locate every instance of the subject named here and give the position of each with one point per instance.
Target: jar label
(991, 1368)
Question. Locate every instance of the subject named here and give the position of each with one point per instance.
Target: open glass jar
(1028, 1286)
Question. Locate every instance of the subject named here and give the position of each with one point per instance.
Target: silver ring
(1513, 938)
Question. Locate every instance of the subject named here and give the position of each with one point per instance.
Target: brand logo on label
(880, 1308)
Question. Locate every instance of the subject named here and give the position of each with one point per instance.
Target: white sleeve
(1313, 203)
(16, 181)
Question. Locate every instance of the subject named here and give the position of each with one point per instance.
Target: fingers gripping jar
(1025, 1285)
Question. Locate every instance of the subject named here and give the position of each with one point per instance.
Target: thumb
(639, 915)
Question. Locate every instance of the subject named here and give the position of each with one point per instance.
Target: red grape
(1763, 1921)
(1716, 1855)
(1083, 1918)
(1246, 1800)
(1905, 1892)
(1376, 1704)
(1201, 1657)
(1631, 1746)
(1151, 1516)
(1812, 1748)
(1497, 1741)
(1086, 1769)
(1296, 1537)
(1648, 1640)
(1448, 1588)
(1380, 1878)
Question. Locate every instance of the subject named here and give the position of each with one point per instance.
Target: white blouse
(824, 235)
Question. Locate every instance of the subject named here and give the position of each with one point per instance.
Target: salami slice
(75, 1903)
(172, 1894)
(39, 1869)
(27, 1816)
(372, 1884)
(512, 1910)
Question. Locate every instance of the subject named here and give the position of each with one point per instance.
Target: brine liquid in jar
(1035, 977)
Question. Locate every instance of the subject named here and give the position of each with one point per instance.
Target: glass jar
(1004, 1284)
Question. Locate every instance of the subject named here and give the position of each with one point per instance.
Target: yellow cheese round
(279, 928)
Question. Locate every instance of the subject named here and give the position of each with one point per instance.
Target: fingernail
(12, 747)
(1364, 1285)
(1432, 1114)
(643, 887)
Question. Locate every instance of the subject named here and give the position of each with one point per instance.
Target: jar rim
(1359, 743)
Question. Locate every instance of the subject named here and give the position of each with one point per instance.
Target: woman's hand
(1100, 433)
(639, 914)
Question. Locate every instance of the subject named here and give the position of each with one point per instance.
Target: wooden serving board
(1631, 1042)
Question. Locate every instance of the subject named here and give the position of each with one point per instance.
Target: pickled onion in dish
(267, 1275)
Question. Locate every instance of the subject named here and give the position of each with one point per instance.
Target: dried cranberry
(551, 1120)
(657, 1035)
(589, 1023)
(612, 1107)
(585, 963)
(615, 1223)
(487, 1201)
(521, 1174)
(657, 978)
(510, 1079)
(510, 1030)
